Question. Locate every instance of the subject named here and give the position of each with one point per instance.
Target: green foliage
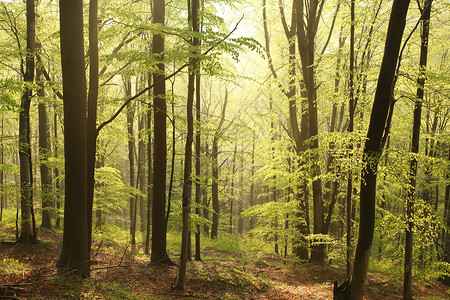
(111, 194)
(14, 266)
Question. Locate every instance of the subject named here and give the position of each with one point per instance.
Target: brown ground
(222, 275)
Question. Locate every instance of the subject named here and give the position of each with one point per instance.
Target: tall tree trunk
(2, 175)
(56, 170)
(131, 155)
(241, 201)
(410, 197)
(91, 125)
(447, 220)
(44, 150)
(75, 247)
(150, 175)
(215, 188)
(28, 231)
(252, 185)
(198, 187)
(233, 171)
(205, 201)
(354, 287)
(306, 33)
(141, 182)
(187, 180)
(159, 230)
(215, 170)
(351, 114)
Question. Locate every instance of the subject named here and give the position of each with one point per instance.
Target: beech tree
(159, 252)
(28, 230)
(76, 243)
(377, 132)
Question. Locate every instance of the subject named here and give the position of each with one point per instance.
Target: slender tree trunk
(205, 200)
(44, 150)
(410, 197)
(354, 287)
(351, 113)
(306, 33)
(131, 156)
(241, 201)
(91, 126)
(198, 187)
(28, 231)
(215, 189)
(75, 247)
(187, 181)
(150, 175)
(56, 170)
(2, 175)
(446, 257)
(141, 172)
(252, 185)
(215, 170)
(233, 171)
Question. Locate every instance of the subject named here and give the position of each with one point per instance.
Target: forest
(219, 149)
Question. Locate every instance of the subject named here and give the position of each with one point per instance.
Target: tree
(44, 152)
(28, 231)
(159, 252)
(215, 170)
(187, 178)
(75, 248)
(308, 17)
(425, 20)
(377, 132)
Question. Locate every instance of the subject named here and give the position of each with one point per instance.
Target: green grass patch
(14, 266)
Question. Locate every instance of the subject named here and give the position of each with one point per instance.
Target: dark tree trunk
(131, 156)
(205, 201)
(252, 185)
(198, 187)
(28, 231)
(306, 33)
(75, 247)
(150, 175)
(187, 180)
(159, 252)
(56, 170)
(44, 150)
(351, 114)
(410, 197)
(447, 220)
(2, 175)
(241, 201)
(215, 170)
(91, 125)
(233, 171)
(141, 182)
(353, 288)
(215, 189)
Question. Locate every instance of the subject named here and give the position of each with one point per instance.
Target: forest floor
(29, 272)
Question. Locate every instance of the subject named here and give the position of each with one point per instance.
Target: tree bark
(410, 197)
(28, 231)
(198, 187)
(215, 170)
(307, 24)
(91, 130)
(187, 180)
(159, 230)
(353, 288)
(75, 247)
(131, 156)
(44, 150)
